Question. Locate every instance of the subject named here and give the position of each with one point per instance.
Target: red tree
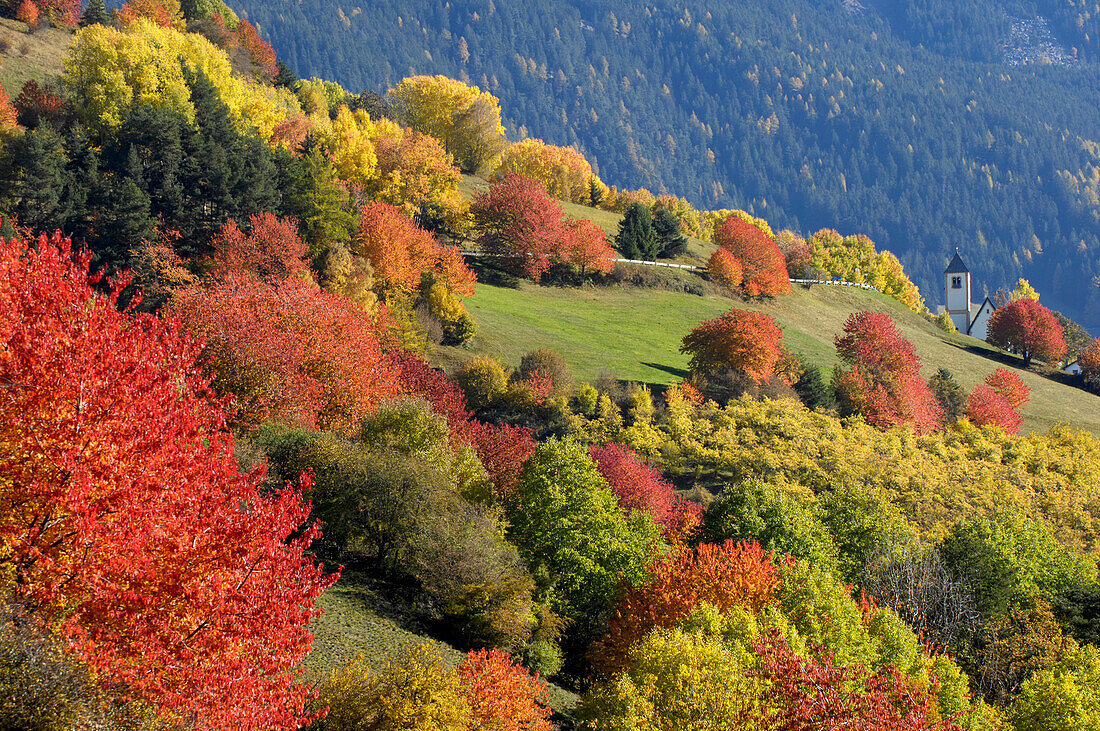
(762, 263)
(518, 221)
(287, 351)
(884, 383)
(1089, 360)
(744, 340)
(27, 12)
(271, 250)
(733, 574)
(259, 50)
(639, 487)
(401, 252)
(1010, 386)
(587, 247)
(986, 407)
(62, 11)
(123, 516)
(151, 10)
(503, 696)
(808, 694)
(37, 104)
(724, 268)
(1028, 329)
(8, 115)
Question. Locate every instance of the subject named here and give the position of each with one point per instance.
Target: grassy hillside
(25, 56)
(634, 334)
(355, 622)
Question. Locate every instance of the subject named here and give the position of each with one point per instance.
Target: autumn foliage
(8, 115)
(28, 13)
(812, 694)
(724, 268)
(743, 340)
(123, 517)
(517, 221)
(986, 407)
(502, 695)
(732, 574)
(401, 252)
(1089, 360)
(1010, 386)
(1028, 329)
(884, 383)
(37, 104)
(259, 50)
(271, 250)
(164, 14)
(562, 171)
(286, 351)
(587, 247)
(764, 269)
(640, 487)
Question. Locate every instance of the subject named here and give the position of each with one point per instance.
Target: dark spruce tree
(313, 195)
(670, 240)
(95, 12)
(813, 391)
(949, 393)
(34, 176)
(636, 238)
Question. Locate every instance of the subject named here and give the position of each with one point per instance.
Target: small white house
(1073, 368)
(969, 318)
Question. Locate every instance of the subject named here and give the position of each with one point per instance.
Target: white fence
(690, 268)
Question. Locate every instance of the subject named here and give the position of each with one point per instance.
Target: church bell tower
(956, 293)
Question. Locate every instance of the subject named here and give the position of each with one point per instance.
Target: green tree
(949, 393)
(1062, 697)
(636, 238)
(94, 12)
(666, 228)
(568, 526)
(313, 195)
(34, 178)
(813, 390)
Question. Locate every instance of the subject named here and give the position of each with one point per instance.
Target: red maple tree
(884, 383)
(123, 516)
(1028, 329)
(733, 574)
(28, 13)
(640, 487)
(764, 270)
(744, 340)
(37, 104)
(401, 252)
(503, 696)
(724, 268)
(519, 222)
(287, 351)
(271, 250)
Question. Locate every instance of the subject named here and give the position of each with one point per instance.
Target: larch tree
(124, 518)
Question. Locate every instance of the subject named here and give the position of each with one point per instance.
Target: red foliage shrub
(1010, 386)
(639, 487)
(123, 513)
(764, 270)
(1028, 329)
(1089, 360)
(518, 221)
(272, 250)
(503, 450)
(743, 340)
(291, 132)
(401, 252)
(502, 695)
(733, 574)
(151, 10)
(28, 13)
(808, 694)
(724, 268)
(287, 351)
(259, 50)
(987, 407)
(37, 104)
(884, 383)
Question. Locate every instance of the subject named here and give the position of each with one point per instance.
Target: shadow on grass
(989, 354)
(492, 275)
(671, 370)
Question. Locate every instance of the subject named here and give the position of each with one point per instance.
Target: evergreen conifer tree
(313, 195)
(670, 240)
(34, 178)
(636, 238)
(94, 12)
(812, 389)
(949, 393)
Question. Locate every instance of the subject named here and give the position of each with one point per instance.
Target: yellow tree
(464, 118)
(563, 171)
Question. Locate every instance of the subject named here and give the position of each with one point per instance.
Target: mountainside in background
(926, 124)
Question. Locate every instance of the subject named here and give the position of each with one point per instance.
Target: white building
(969, 318)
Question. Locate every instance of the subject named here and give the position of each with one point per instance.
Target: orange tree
(743, 340)
(763, 265)
(124, 518)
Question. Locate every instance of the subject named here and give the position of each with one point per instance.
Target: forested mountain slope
(915, 123)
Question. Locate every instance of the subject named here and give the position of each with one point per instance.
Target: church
(969, 318)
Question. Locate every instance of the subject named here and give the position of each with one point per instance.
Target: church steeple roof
(956, 266)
